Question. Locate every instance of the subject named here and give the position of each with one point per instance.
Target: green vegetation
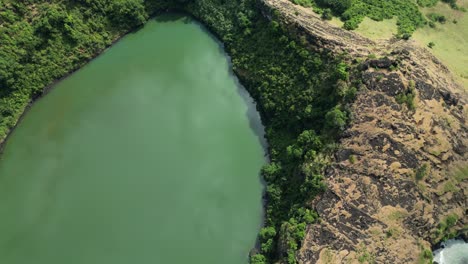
(398, 215)
(427, 3)
(409, 18)
(422, 172)
(258, 259)
(460, 173)
(407, 97)
(302, 96)
(364, 256)
(327, 14)
(434, 17)
(41, 41)
(453, 4)
(451, 38)
(306, 3)
(425, 256)
(445, 230)
(378, 30)
(352, 13)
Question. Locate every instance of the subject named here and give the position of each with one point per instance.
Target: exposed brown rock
(374, 205)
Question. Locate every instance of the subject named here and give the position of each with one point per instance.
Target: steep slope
(399, 182)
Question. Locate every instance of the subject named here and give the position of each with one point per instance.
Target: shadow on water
(255, 121)
(172, 17)
(252, 114)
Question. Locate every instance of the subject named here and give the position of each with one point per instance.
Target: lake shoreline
(119, 37)
(49, 125)
(241, 90)
(439, 245)
(52, 85)
(175, 11)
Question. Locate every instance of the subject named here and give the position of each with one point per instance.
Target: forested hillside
(302, 95)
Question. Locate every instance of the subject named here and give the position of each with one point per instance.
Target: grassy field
(450, 39)
(377, 30)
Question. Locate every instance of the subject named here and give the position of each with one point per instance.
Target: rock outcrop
(402, 167)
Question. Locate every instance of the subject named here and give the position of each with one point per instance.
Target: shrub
(258, 259)
(434, 17)
(408, 96)
(341, 72)
(336, 119)
(421, 172)
(427, 253)
(327, 14)
(267, 233)
(128, 13)
(451, 220)
(452, 3)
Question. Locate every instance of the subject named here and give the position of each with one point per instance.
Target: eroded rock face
(378, 207)
(375, 204)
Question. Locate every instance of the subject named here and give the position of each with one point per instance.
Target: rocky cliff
(399, 183)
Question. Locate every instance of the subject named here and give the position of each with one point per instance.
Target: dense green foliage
(409, 17)
(301, 95)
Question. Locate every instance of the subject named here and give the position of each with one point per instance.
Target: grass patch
(364, 256)
(448, 187)
(392, 233)
(450, 39)
(460, 174)
(425, 257)
(397, 215)
(377, 30)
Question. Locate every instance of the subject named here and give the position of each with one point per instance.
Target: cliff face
(400, 178)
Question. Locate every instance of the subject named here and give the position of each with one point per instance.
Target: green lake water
(149, 154)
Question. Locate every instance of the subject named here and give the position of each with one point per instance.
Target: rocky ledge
(399, 183)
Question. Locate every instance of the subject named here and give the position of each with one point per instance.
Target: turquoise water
(149, 154)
